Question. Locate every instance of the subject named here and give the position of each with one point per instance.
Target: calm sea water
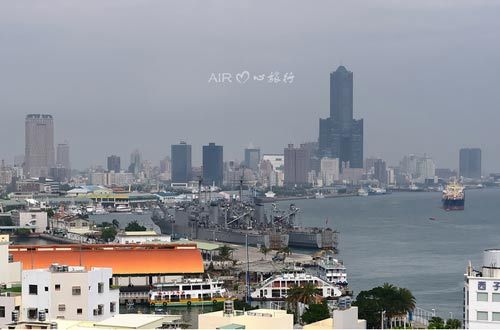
(391, 239)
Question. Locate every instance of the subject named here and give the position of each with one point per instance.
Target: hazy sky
(120, 74)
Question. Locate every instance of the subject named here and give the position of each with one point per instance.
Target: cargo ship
(453, 197)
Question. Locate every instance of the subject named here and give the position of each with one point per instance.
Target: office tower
(39, 148)
(62, 156)
(297, 165)
(380, 171)
(135, 162)
(114, 163)
(470, 163)
(341, 136)
(181, 162)
(213, 165)
(252, 158)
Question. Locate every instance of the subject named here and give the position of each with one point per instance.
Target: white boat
(99, 209)
(319, 195)
(187, 292)
(90, 209)
(362, 192)
(123, 208)
(276, 287)
(377, 191)
(331, 270)
(138, 210)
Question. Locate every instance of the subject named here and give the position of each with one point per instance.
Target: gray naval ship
(239, 222)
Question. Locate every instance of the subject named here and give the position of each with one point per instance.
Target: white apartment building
(68, 292)
(10, 272)
(329, 170)
(482, 293)
(34, 219)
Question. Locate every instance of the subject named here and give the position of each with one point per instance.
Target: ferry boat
(330, 269)
(362, 192)
(187, 292)
(276, 287)
(453, 197)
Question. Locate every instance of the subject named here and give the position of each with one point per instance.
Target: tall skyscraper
(135, 162)
(181, 162)
(470, 163)
(39, 145)
(380, 171)
(341, 136)
(114, 163)
(62, 156)
(213, 165)
(297, 165)
(252, 158)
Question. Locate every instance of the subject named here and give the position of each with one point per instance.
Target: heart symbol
(243, 77)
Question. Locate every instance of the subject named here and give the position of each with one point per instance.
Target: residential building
(10, 272)
(470, 163)
(252, 158)
(39, 145)
(34, 219)
(255, 319)
(426, 169)
(62, 156)
(10, 304)
(114, 163)
(482, 293)
(141, 237)
(341, 136)
(181, 162)
(213, 165)
(68, 292)
(297, 165)
(380, 171)
(329, 170)
(342, 319)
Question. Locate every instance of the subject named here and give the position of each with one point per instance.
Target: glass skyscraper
(213, 165)
(181, 162)
(340, 135)
(470, 163)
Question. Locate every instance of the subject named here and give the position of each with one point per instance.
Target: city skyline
(418, 96)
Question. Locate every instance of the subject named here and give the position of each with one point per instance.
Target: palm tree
(264, 250)
(115, 223)
(225, 252)
(304, 294)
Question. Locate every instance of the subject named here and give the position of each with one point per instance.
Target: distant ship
(453, 197)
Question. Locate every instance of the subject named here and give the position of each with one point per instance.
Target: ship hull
(453, 204)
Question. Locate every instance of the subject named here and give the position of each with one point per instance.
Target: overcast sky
(119, 75)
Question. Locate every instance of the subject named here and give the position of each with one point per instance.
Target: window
(482, 296)
(32, 313)
(496, 297)
(79, 311)
(495, 316)
(206, 286)
(46, 289)
(100, 309)
(2, 311)
(95, 312)
(61, 308)
(100, 287)
(112, 307)
(76, 290)
(58, 287)
(196, 287)
(482, 316)
(33, 289)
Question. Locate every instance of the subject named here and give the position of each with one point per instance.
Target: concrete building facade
(39, 145)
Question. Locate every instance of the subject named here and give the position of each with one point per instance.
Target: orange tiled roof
(123, 259)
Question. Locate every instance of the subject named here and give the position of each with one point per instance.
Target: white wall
(37, 218)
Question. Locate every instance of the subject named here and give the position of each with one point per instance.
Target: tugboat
(453, 197)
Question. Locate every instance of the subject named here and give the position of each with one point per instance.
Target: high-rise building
(114, 163)
(62, 156)
(135, 162)
(380, 171)
(426, 169)
(297, 165)
(470, 163)
(252, 158)
(213, 165)
(181, 162)
(39, 145)
(341, 136)
(329, 172)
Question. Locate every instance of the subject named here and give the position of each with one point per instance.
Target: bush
(315, 313)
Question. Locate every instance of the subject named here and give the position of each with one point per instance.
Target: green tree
(453, 324)
(108, 234)
(436, 323)
(225, 252)
(50, 213)
(115, 223)
(389, 298)
(304, 294)
(23, 232)
(264, 250)
(134, 226)
(316, 312)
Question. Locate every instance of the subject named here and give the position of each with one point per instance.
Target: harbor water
(406, 239)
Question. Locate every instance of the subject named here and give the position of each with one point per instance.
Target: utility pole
(247, 278)
(382, 313)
